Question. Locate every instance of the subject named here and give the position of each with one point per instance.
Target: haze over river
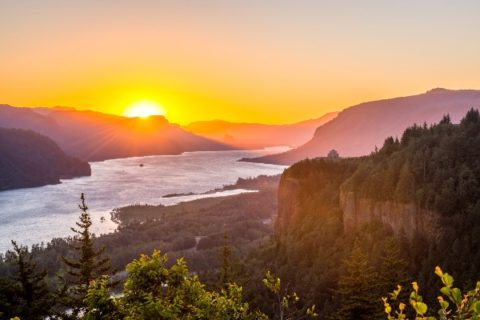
(39, 214)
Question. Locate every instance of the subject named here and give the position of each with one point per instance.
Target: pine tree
(87, 265)
(9, 297)
(333, 154)
(358, 295)
(35, 300)
(393, 267)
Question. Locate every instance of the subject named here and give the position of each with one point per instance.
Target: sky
(271, 61)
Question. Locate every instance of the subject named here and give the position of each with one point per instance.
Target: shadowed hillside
(97, 136)
(28, 159)
(259, 136)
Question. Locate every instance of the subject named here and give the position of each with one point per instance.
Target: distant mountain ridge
(28, 159)
(256, 135)
(357, 130)
(95, 136)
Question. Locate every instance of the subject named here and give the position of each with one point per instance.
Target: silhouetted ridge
(256, 135)
(93, 136)
(28, 159)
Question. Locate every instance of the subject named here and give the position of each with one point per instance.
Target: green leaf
(476, 307)
(457, 295)
(444, 304)
(447, 280)
(421, 308)
(445, 291)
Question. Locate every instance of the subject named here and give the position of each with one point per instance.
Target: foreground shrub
(453, 304)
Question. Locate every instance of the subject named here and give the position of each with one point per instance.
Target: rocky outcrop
(401, 218)
(288, 206)
(404, 218)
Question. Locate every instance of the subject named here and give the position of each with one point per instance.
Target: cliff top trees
(333, 154)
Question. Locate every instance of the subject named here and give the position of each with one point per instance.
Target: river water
(40, 214)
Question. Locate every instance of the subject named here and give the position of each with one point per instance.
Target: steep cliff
(402, 218)
(300, 198)
(310, 190)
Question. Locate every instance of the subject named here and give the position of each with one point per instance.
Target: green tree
(393, 267)
(34, 299)
(357, 290)
(9, 297)
(86, 265)
(153, 291)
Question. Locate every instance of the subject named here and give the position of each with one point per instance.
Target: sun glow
(144, 109)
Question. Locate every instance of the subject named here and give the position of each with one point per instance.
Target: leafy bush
(453, 304)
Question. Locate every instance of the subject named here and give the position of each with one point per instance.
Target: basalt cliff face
(401, 218)
(320, 197)
(288, 203)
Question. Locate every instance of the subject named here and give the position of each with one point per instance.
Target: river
(40, 214)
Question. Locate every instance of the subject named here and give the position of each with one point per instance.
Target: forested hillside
(346, 224)
(28, 159)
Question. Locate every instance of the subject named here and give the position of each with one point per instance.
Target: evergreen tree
(87, 265)
(333, 154)
(9, 297)
(358, 293)
(393, 267)
(34, 299)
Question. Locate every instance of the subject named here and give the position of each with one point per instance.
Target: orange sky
(271, 61)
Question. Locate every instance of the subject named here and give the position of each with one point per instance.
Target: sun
(144, 109)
